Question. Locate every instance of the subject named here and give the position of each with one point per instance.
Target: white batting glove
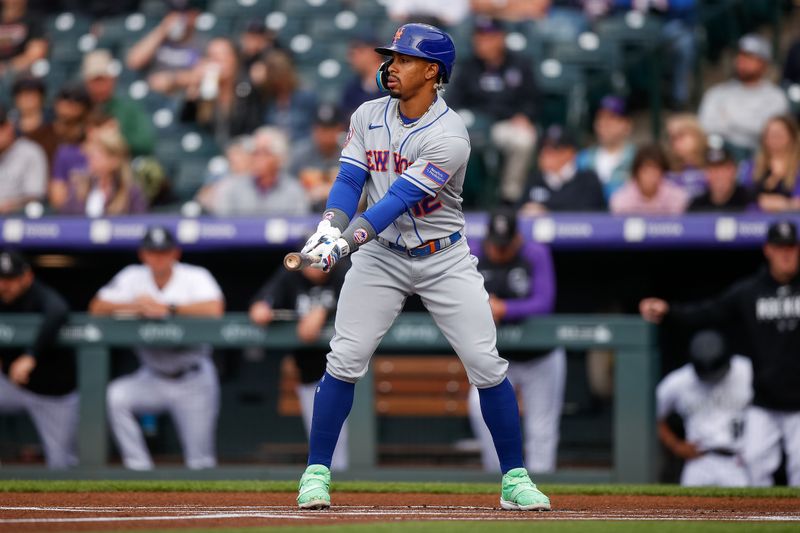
(324, 230)
(328, 252)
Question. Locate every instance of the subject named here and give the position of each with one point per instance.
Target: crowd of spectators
(90, 147)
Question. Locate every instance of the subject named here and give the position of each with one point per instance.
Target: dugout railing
(636, 366)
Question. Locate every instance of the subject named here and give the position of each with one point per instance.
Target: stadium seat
(600, 61)
(308, 8)
(154, 8)
(241, 9)
(563, 91)
(65, 26)
(189, 176)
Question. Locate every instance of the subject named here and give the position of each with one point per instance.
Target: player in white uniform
(711, 394)
(409, 151)
(181, 381)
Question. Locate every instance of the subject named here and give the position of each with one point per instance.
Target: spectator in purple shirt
(520, 280)
(71, 108)
(108, 187)
(774, 173)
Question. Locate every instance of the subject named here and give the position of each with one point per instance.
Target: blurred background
(645, 144)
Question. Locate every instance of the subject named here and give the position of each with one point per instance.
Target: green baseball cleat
(314, 485)
(520, 493)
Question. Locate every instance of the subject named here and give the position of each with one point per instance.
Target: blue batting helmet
(425, 41)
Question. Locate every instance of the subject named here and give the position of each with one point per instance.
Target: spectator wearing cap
(32, 120)
(270, 191)
(219, 99)
(774, 172)
(22, 38)
(764, 307)
(724, 192)
(289, 106)
(520, 279)
(99, 73)
(364, 61)
(499, 85)
(169, 52)
(648, 192)
(558, 184)
(315, 161)
(686, 149)
(41, 378)
(181, 381)
(739, 108)
(23, 168)
(107, 187)
(612, 155)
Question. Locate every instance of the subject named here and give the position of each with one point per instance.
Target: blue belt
(428, 248)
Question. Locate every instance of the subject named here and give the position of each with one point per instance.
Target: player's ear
(432, 72)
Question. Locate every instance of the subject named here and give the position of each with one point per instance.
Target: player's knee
(346, 373)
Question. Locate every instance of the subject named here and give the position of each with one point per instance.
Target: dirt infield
(132, 510)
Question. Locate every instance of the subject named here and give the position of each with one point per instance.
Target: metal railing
(633, 341)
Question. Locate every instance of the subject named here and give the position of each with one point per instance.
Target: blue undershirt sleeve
(346, 190)
(400, 197)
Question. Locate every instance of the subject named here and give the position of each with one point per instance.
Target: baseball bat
(296, 261)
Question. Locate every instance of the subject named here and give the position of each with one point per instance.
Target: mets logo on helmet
(397, 34)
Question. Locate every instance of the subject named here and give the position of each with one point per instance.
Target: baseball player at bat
(409, 151)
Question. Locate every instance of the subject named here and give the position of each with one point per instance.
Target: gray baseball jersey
(431, 153)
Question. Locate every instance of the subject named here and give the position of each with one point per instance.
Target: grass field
(583, 518)
(384, 487)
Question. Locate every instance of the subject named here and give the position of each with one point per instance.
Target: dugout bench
(632, 340)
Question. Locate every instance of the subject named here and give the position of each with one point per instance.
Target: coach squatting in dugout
(766, 307)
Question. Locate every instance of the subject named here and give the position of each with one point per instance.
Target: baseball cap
(755, 45)
(365, 38)
(28, 83)
(255, 26)
(502, 226)
(709, 355)
(782, 233)
(97, 64)
(12, 264)
(717, 155)
(557, 136)
(158, 238)
(614, 104)
(328, 115)
(488, 25)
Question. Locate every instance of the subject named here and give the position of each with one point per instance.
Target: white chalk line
(427, 512)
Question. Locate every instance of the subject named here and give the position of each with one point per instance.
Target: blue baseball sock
(501, 414)
(332, 404)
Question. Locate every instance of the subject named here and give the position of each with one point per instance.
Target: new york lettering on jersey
(431, 154)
